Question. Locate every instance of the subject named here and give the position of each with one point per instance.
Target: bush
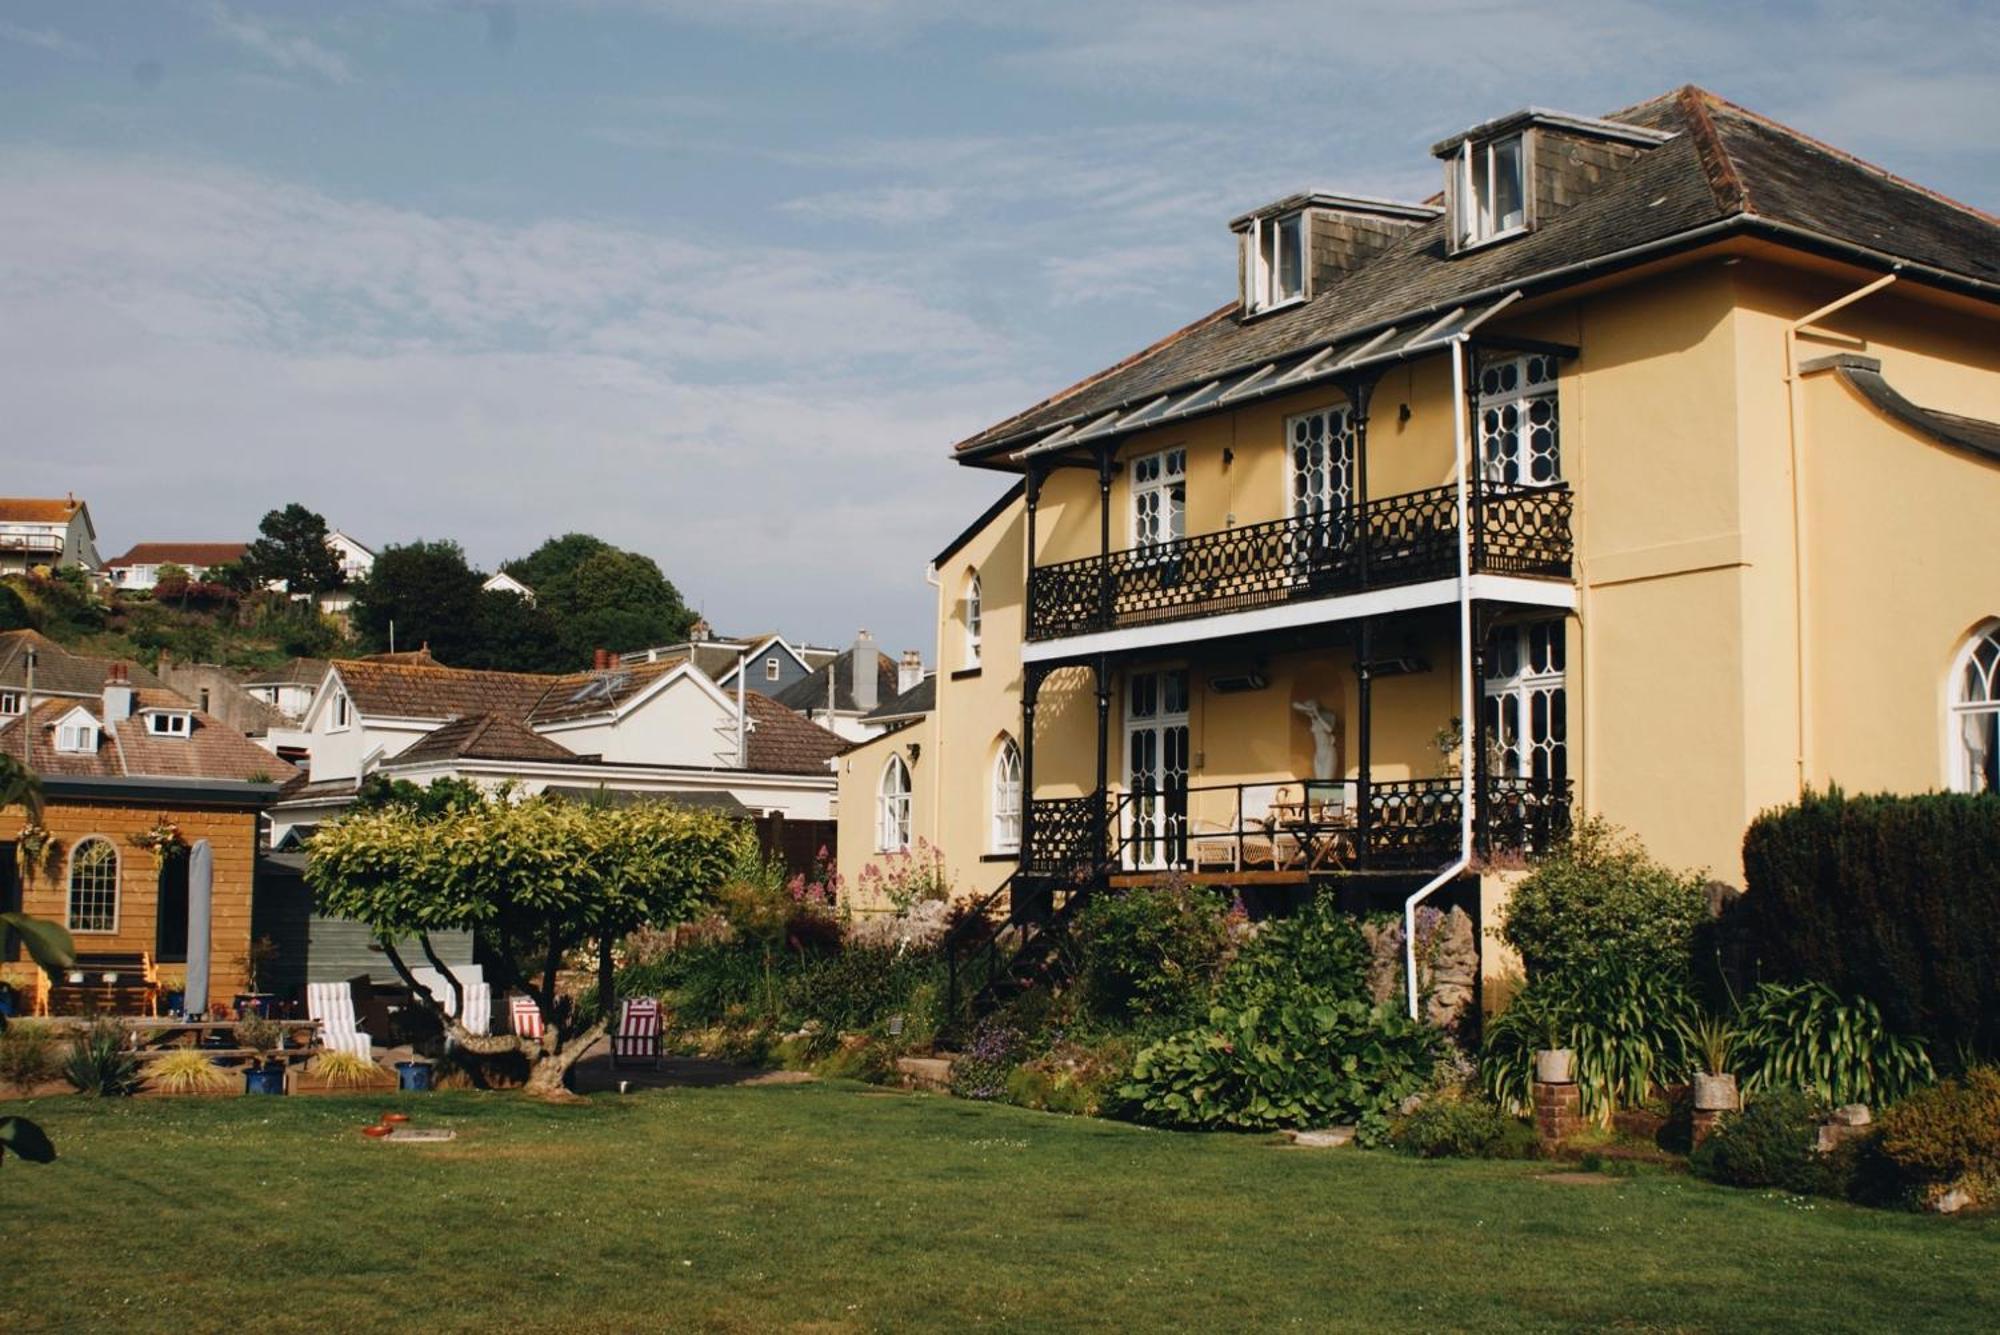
(1838, 1051)
(100, 1061)
(1629, 1027)
(1894, 898)
(1599, 899)
(1318, 952)
(29, 1054)
(1150, 953)
(1458, 1126)
(988, 1062)
(1771, 1143)
(1948, 1137)
(188, 1071)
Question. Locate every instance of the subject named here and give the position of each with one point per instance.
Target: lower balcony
(1293, 829)
(1397, 540)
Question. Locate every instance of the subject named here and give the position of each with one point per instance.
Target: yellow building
(1614, 447)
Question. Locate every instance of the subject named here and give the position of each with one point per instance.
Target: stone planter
(1715, 1093)
(1555, 1066)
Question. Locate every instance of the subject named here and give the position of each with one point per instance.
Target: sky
(722, 282)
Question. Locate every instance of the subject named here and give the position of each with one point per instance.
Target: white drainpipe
(742, 722)
(1468, 725)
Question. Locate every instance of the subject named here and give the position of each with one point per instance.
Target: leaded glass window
(1519, 435)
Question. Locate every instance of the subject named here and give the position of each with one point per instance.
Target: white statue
(1323, 722)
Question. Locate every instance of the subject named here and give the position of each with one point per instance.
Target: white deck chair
(332, 1004)
(478, 1015)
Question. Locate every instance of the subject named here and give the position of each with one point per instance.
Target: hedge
(1896, 899)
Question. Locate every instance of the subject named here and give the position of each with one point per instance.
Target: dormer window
(771, 669)
(1491, 195)
(77, 735)
(341, 717)
(10, 702)
(168, 723)
(1276, 261)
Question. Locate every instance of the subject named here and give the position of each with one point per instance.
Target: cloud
(46, 39)
(291, 52)
(892, 206)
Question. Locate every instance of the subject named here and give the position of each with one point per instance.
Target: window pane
(1291, 268)
(1508, 210)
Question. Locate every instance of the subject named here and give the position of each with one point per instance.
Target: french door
(1156, 769)
(1322, 457)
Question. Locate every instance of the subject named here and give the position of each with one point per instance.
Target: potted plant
(173, 991)
(1555, 1060)
(262, 1037)
(257, 959)
(1714, 1042)
(413, 1075)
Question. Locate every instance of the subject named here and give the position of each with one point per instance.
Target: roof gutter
(1629, 256)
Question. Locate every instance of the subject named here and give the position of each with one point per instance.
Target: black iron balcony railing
(1402, 539)
(1303, 826)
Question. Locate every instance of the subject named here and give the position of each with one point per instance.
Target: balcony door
(1520, 438)
(1322, 453)
(1156, 769)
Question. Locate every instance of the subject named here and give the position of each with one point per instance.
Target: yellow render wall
(860, 773)
(232, 835)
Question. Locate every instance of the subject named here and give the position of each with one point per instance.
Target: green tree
(428, 593)
(515, 635)
(602, 597)
(292, 548)
(540, 879)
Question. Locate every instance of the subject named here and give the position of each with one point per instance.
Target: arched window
(972, 617)
(892, 808)
(1975, 714)
(1007, 797)
(93, 886)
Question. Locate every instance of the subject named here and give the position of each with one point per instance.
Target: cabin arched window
(973, 616)
(1007, 797)
(93, 886)
(892, 808)
(1974, 724)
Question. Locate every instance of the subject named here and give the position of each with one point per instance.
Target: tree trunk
(549, 1077)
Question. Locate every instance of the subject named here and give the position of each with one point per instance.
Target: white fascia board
(1376, 602)
(662, 776)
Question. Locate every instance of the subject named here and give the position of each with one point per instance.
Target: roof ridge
(1078, 387)
(1853, 159)
(1732, 193)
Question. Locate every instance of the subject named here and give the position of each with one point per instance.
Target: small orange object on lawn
(377, 1131)
(391, 1119)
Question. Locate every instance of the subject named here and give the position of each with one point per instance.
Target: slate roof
(919, 699)
(783, 741)
(58, 671)
(483, 737)
(212, 750)
(1725, 166)
(292, 672)
(809, 692)
(181, 554)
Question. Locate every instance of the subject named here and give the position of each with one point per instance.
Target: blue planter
(413, 1075)
(264, 1079)
(174, 1003)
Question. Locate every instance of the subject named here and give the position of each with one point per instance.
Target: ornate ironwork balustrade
(1402, 539)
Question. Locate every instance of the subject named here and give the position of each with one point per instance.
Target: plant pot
(173, 1003)
(1715, 1093)
(413, 1076)
(253, 1003)
(264, 1079)
(1555, 1066)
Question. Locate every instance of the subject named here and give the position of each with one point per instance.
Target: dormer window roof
(1291, 249)
(1490, 180)
(75, 733)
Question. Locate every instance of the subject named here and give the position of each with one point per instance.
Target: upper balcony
(1392, 541)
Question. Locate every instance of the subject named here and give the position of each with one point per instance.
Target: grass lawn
(830, 1207)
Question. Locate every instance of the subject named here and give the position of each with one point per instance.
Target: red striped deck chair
(637, 1042)
(527, 1017)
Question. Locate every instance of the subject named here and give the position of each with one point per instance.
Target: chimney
(866, 664)
(117, 695)
(600, 660)
(910, 671)
(699, 632)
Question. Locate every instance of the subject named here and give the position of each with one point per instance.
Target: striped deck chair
(526, 1016)
(478, 1016)
(637, 1042)
(332, 1004)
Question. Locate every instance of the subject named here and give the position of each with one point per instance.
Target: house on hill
(40, 531)
(1648, 470)
(139, 567)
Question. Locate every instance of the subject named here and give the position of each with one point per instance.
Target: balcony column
(1105, 594)
(1031, 685)
(1103, 670)
(1474, 487)
(1360, 392)
(1364, 743)
(1482, 798)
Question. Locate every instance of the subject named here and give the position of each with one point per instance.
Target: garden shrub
(1892, 898)
(1463, 1126)
(1318, 951)
(1948, 1137)
(29, 1054)
(1151, 952)
(1771, 1143)
(1079, 1077)
(100, 1060)
(1627, 1023)
(989, 1060)
(1839, 1051)
(1597, 899)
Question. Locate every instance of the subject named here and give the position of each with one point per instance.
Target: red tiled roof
(203, 554)
(37, 510)
(783, 741)
(401, 688)
(212, 750)
(483, 737)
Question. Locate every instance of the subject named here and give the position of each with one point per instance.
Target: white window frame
(772, 670)
(169, 724)
(1006, 825)
(1336, 428)
(340, 714)
(69, 886)
(1475, 223)
(11, 703)
(1968, 705)
(972, 611)
(1521, 686)
(1536, 383)
(78, 738)
(1171, 470)
(1262, 271)
(892, 807)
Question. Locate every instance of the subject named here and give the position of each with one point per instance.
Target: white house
(502, 582)
(139, 568)
(36, 531)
